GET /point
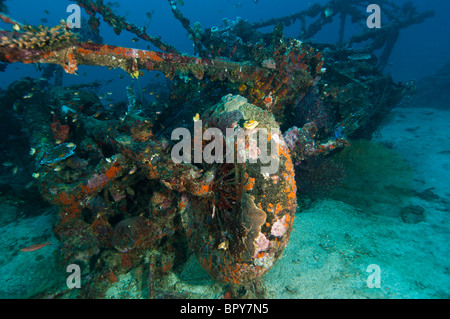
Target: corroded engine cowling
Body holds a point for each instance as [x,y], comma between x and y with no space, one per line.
[241,226]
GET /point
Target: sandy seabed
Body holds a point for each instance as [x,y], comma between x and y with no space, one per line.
[333,243]
[331,246]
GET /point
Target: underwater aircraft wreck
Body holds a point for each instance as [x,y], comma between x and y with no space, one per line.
[125,203]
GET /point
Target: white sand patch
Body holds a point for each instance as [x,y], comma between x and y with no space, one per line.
[333,243]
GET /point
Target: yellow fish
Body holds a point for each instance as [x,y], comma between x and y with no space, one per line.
[196,117]
[223,245]
[251,124]
[135,74]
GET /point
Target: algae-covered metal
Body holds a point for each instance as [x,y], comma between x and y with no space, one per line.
[241,229]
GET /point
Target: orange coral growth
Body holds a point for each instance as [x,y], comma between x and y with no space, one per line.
[152,171]
[167,266]
[152,56]
[82,51]
[126,261]
[291,195]
[250,184]
[60,132]
[112,277]
[142,135]
[289,165]
[69,205]
[113,171]
[202,191]
[278,209]
[99,222]
[71,65]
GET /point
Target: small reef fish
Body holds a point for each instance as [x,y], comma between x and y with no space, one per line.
[223,245]
[34,247]
[360,57]
[251,124]
[149,14]
[196,117]
[114,4]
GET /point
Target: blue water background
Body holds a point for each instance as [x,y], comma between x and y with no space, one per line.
[420,51]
